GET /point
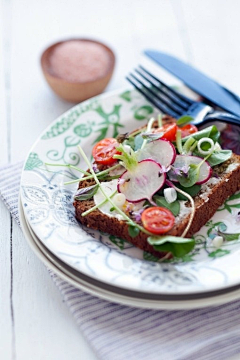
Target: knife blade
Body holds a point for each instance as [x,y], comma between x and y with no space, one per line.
[198,82]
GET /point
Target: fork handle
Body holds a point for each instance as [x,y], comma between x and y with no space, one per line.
[223,116]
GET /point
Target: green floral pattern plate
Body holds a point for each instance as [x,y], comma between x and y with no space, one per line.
[48,208]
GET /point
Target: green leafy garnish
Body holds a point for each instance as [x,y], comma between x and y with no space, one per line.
[88,176]
[210,132]
[149,126]
[133,231]
[219,157]
[159,120]
[184,120]
[189,145]
[86,193]
[138,141]
[192,176]
[174,207]
[179,141]
[108,197]
[130,141]
[129,160]
[134,141]
[192,191]
[152,136]
[193,173]
[178,246]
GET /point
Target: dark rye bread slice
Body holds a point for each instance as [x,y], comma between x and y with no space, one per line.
[228,182]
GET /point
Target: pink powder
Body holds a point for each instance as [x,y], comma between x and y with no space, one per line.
[79,61]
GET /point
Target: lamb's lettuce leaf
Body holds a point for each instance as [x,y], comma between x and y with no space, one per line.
[211,132]
[174,207]
[185,119]
[176,245]
[217,157]
[192,191]
[86,193]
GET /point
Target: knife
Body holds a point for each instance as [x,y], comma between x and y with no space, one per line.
[198,82]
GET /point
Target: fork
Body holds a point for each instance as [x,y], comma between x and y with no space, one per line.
[171,102]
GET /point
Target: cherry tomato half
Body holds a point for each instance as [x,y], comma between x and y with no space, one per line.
[104,150]
[169,131]
[188,130]
[157,220]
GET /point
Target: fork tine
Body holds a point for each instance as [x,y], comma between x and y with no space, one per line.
[158,94]
[152,98]
[175,95]
[181,105]
[157,91]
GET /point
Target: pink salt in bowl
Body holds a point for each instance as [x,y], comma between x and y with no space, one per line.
[78,69]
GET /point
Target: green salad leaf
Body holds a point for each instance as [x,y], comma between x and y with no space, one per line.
[217,157]
[174,207]
[86,193]
[129,160]
[133,231]
[138,141]
[183,120]
[192,176]
[191,190]
[176,245]
[211,132]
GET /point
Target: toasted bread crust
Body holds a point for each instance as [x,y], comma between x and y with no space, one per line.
[228,184]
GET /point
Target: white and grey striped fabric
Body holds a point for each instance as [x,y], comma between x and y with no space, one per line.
[118,332]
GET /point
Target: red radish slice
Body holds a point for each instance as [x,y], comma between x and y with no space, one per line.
[161,151]
[142,182]
[182,163]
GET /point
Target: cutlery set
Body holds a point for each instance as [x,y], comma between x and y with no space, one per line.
[171,102]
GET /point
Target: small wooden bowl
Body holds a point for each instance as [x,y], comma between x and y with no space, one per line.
[76,91]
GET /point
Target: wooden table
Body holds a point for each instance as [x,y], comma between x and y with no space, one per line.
[34,321]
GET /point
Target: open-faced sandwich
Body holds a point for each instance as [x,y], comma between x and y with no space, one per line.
[157,186]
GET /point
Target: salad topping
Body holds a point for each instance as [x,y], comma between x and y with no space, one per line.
[156,169]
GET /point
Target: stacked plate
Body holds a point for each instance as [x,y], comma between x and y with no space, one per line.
[107,266]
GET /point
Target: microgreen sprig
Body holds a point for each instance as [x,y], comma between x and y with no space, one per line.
[159,120]
[98,205]
[149,126]
[125,217]
[179,141]
[89,176]
[129,159]
[189,146]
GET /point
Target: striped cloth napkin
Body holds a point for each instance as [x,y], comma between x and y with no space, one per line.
[118,332]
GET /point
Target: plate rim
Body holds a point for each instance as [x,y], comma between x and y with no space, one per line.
[103,96]
[157,304]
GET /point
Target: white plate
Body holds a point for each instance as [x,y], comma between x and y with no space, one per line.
[47,204]
[74,278]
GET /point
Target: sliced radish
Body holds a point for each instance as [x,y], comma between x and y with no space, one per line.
[181,164]
[142,182]
[161,151]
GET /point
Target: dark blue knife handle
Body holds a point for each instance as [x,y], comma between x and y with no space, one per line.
[223,116]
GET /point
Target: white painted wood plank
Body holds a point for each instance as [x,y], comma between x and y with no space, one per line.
[213,29]
[4,93]
[6,322]
[6,325]
[44,326]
